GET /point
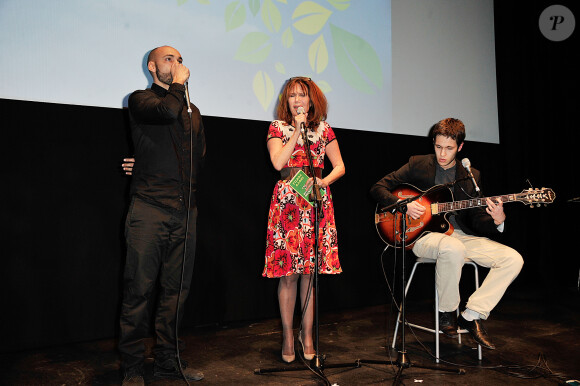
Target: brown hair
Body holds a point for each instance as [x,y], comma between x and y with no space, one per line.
[449,127]
[317,111]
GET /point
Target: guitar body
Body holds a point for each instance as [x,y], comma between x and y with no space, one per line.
[389,225]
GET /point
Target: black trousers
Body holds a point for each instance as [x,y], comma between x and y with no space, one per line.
[155,239]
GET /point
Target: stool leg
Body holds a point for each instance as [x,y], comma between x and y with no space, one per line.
[479,354]
[436,325]
[399,314]
[458,334]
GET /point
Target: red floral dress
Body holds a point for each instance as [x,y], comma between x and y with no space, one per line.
[290,234]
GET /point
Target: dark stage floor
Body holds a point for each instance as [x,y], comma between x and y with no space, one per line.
[527,330]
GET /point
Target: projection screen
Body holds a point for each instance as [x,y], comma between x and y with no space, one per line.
[435,60]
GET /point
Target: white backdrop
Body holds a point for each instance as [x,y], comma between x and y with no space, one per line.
[438,62]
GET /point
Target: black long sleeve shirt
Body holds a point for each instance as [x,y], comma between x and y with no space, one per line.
[160,127]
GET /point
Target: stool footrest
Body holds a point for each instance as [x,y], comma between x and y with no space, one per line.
[459,331]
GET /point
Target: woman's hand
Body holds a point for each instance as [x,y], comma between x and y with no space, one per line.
[299,120]
[128,165]
[321,183]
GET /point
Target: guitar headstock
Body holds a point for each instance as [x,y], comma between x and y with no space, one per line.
[537,196]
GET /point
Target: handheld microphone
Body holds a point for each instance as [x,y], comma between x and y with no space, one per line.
[467,165]
[187,98]
[301,111]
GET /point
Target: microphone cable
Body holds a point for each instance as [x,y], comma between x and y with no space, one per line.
[187,218]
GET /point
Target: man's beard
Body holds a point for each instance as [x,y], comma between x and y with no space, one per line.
[164,77]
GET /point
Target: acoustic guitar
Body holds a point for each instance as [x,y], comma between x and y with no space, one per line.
[438,202]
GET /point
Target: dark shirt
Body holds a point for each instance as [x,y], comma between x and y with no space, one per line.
[161,128]
[446,176]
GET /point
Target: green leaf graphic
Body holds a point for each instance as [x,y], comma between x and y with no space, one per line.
[181,2]
[204,2]
[280,68]
[254,48]
[324,86]
[287,38]
[271,16]
[318,55]
[263,89]
[341,5]
[312,17]
[235,15]
[282,1]
[254,6]
[356,60]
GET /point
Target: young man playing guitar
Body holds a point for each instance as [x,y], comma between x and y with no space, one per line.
[465,241]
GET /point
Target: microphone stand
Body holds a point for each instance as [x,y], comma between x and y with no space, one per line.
[317,364]
[403,361]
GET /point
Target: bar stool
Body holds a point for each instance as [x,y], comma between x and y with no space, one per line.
[436,330]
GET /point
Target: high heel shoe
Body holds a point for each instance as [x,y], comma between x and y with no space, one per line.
[288,358]
[308,357]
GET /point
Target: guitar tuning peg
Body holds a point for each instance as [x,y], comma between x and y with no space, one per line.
[532,206]
[538,205]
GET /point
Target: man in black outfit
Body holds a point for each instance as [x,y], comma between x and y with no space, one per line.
[160,229]
[467,242]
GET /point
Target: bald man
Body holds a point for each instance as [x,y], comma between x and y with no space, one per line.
[160,228]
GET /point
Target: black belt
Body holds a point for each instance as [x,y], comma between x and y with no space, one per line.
[289,173]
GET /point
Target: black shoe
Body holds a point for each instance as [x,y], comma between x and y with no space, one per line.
[447,324]
[168,368]
[134,377]
[133,380]
[477,331]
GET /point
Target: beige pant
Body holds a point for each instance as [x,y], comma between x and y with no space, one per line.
[451,252]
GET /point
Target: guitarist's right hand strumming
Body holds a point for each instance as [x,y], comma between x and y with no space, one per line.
[415,210]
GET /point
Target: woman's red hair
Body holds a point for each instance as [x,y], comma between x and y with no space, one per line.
[318,109]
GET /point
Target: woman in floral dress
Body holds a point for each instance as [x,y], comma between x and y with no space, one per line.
[290,235]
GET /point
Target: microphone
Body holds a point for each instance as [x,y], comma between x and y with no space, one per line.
[467,165]
[300,110]
[187,99]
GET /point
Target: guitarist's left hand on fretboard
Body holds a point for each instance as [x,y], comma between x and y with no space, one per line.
[495,210]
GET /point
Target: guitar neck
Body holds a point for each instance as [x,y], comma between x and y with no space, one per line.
[442,207]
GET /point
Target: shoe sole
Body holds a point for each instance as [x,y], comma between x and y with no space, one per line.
[175,376]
